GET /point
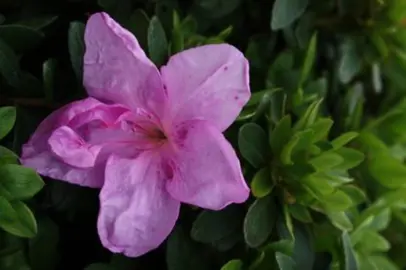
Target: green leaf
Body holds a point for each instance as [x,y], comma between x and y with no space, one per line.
[337,201]
[321,129]
[326,161]
[261,184]
[285,12]
[285,262]
[7,156]
[387,170]
[350,262]
[300,141]
[18,182]
[177,41]
[356,194]
[253,144]
[182,254]
[300,212]
[233,265]
[285,246]
[259,221]
[280,135]
[351,158]
[372,242]
[138,25]
[309,117]
[19,37]
[48,74]
[43,248]
[157,42]
[9,65]
[318,185]
[340,220]
[309,60]
[350,62]
[7,118]
[215,227]
[17,219]
[343,139]
[76,47]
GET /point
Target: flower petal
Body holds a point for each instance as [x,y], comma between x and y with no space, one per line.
[116,68]
[206,170]
[136,212]
[43,153]
[72,149]
[209,82]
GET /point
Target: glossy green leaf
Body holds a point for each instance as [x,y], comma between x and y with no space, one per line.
[285,12]
[351,158]
[340,220]
[321,129]
[18,182]
[17,219]
[7,156]
[300,212]
[233,265]
[281,134]
[309,60]
[253,144]
[261,184]
[285,262]
[77,48]
[337,201]
[372,242]
[344,139]
[259,221]
[7,118]
[157,42]
[326,161]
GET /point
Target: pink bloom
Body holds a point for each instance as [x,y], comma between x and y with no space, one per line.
[149,139]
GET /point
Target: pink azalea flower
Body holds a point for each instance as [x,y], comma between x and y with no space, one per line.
[149,139]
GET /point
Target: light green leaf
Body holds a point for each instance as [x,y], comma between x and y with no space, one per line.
[337,201]
[350,262]
[387,170]
[310,115]
[343,139]
[285,262]
[351,158]
[76,48]
[309,60]
[7,118]
[233,265]
[253,144]
[261,184]
[259,221]
[356,194]
[372,242]
[321,129]
[340,220]
[285,12]
[157,42]
[326,161]
[300,212]
[280,135]
[18,182]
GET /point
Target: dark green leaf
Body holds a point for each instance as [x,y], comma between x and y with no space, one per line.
[77,48]
[216,226]
[259,221]
[17,219]
[9,65]
[18,182]
[138,25]
[48,74]
[300,212]
[7,156]
[350,61]
[99,266]
[253,144]
[19,37]
[309,60]
[218,8]
[157,42]
[285,12]
[7,118]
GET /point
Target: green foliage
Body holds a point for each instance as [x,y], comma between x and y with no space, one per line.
[321,141]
